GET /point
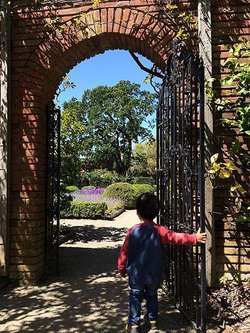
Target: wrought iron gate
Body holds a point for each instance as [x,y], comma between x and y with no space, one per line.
[53,188]
[180,131]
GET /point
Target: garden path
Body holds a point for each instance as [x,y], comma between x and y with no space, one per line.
[89,296]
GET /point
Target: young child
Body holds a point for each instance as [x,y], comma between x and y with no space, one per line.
[141,259]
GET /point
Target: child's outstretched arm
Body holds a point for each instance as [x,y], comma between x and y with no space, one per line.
[201,237]
[180,238]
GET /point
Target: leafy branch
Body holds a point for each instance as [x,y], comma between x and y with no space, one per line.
[66,84]
[185,22]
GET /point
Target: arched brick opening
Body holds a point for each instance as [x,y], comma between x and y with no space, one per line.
[38,69]
[46,44]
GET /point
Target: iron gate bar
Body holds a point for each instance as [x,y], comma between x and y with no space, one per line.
[180,180]
[53,188]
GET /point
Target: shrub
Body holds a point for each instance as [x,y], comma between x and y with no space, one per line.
[114,210]
[71,188]
[120,191]
[85,210]
[143,180]
[142,188]
[65,199]
[87,187]
[99,178]
[127,192]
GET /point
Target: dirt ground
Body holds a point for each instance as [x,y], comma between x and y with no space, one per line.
[89,296]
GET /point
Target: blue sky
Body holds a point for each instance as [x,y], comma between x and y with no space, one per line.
[105,69]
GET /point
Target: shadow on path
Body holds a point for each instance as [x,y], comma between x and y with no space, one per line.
[90,233]
[89,296]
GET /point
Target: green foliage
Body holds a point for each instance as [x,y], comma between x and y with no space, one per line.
[184,22]
[86,187]
[114,209]
[144,159]
[96,4]
[128,193]
[120,191]
[99,178]
[55,22]
[223,280]
[143,180]
[142,188]
[72,137]
[238,78]
[66,84]
[65,199]
[209,88]
[222,170]
[104,126]
[71,188]
[84,210]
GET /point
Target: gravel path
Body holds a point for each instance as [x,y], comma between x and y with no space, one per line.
[89,296]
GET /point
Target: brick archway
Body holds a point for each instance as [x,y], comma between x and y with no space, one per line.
[44,61]
[40,59]
[46,44]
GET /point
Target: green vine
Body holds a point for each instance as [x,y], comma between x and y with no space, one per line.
[222,170]
[186,22]
[237,78]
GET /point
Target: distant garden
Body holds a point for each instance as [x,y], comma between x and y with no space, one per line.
[108,151]
[92,202]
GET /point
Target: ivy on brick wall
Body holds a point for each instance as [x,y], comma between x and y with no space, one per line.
[185,22]
[236,78]
[170,13]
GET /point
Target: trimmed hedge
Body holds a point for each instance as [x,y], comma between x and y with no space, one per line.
[87,187]
[142,188]
[85,210]
[71,188]
[127,192]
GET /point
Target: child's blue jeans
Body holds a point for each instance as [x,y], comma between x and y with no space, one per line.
[137,294]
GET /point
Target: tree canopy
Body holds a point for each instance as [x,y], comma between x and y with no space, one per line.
[72,137]
[105,124]
[144,159]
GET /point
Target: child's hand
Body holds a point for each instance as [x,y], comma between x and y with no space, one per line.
[201,237]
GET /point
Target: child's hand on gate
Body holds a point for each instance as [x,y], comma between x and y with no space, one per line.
[201,237]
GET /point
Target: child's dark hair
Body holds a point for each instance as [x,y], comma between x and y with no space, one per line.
[148,205]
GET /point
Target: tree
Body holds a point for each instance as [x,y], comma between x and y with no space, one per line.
[144,159]
[72,137]
[113,118]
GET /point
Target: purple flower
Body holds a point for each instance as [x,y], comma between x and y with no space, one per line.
[92,190]
[94,195]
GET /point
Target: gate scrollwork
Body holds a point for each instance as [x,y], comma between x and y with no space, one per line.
[180,138]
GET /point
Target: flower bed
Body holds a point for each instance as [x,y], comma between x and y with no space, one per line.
[88,190]
[87,200]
